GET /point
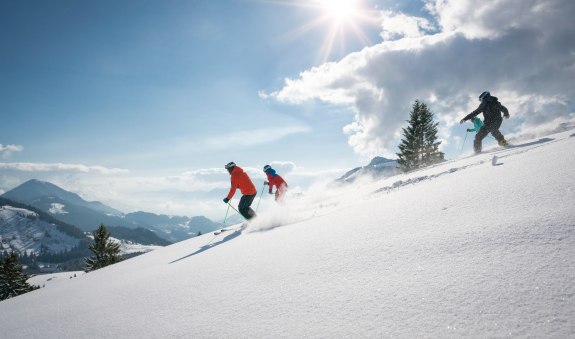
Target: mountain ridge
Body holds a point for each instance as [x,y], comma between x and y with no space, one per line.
[72,209]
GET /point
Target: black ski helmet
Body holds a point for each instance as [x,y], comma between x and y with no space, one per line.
[484,95]
[267,167]
[230,165]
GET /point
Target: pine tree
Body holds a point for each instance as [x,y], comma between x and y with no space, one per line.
[419,146]
[106,251]
[12,278]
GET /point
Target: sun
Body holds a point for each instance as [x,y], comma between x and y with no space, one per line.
[341,20]
[339,10]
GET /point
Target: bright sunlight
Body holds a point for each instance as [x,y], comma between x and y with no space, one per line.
[340,19]
[339,10]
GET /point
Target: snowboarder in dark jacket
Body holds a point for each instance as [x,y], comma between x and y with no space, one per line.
[491,109]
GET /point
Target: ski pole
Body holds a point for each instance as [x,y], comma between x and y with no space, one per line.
[466,133]
[226,217]
[236,210]
[258,206]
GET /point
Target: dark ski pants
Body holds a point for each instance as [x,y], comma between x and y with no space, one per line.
[490,126]
[244,206]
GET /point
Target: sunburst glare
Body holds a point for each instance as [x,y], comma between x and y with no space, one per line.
[341,19]
[340,10]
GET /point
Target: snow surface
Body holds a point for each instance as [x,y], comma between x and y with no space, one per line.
[129,247]
[473,247]
[49,279]
[57,208]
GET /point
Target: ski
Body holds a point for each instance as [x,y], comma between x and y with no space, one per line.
[220,231]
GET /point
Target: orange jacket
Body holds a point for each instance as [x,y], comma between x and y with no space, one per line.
[241,180]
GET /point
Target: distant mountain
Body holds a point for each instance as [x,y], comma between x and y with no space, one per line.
[138,235]
[36,192]
[378,167]
[173,228]
[46,244]
[72,209]
[66,206]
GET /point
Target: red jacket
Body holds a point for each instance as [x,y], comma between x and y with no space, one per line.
[276,181]
[241,180]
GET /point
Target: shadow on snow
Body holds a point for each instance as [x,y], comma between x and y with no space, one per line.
[236,233]
[536,142]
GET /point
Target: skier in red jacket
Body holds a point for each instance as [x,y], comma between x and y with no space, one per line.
[277,181]
[241,180]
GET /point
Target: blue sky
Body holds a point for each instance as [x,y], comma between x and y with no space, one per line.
[139,104]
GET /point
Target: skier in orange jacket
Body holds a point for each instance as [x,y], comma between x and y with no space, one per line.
[241,180]
[277,181]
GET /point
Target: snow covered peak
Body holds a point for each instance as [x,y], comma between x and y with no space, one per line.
[378,167]
[378,161]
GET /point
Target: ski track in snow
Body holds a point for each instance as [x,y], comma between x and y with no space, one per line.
[498,154]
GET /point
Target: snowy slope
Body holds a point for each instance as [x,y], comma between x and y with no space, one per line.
[23,230]
[475,247]
[49,279]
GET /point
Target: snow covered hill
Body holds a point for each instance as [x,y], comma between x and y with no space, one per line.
[23,230]
[32,231]
[377,168]
[482,246]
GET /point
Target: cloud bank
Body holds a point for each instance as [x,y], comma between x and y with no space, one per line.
[522,51]
[59,167]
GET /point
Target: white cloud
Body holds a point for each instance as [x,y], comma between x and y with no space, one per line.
[6,151]
[59,167]
[251,137]
[493,19]
[521,51]
[399,25]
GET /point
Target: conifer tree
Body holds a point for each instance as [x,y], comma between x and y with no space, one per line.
[419,146]
[12,278]
[106,251]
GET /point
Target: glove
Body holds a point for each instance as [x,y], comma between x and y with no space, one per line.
[226,200]
[506,116]
[462,121]
[270,192]
[469,130]
[266,183]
